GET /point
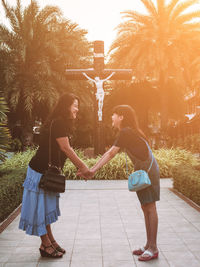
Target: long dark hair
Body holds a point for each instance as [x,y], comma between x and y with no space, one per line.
[129,118]
[62,109]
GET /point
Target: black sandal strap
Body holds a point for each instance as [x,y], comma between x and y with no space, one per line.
[54,252]
[58,248]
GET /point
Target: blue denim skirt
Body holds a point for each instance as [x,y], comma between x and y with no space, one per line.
[39,208]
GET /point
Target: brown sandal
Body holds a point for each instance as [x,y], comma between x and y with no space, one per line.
[54,254]
[58,248]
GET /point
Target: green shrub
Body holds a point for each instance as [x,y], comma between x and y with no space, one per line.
[16,145]
[189,142]
[11,192]
[168,159]
[12,173]
[20,160]
[192,143]
[187,181]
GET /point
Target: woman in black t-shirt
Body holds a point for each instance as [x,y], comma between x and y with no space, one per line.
[133,141]
[40,208]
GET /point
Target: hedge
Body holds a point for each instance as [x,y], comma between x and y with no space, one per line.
[11,192]
[186,179]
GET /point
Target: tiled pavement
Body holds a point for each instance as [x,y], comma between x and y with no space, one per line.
[100,225]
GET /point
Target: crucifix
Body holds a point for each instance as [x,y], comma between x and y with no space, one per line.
[98,75]
[100,92]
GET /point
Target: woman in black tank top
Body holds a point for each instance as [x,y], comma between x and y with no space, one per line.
[41,208]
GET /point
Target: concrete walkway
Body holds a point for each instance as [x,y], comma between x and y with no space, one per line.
[102,223]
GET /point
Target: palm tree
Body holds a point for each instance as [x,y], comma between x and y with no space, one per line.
[38,47]
[158,45]
[4,132]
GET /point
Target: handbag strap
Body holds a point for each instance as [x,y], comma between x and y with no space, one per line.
[50,148]
[148,168]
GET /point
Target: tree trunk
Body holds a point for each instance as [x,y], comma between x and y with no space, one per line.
[163,102]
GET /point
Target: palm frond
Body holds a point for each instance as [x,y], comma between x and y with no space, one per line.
[170,6]
[10,14]
[136,17]
[4,132]
[48,13]
[181,7]
[161,7]
[149,5]
[187,18]
[18,13]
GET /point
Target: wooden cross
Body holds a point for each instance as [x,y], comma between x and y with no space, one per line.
[98,74]
[98,70]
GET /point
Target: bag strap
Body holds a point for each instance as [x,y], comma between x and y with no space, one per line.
[148,168]
[50,146]
[126,164]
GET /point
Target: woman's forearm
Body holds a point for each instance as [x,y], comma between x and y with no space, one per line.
[102,161]
[74,158]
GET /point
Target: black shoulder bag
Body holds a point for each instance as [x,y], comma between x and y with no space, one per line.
[52,180]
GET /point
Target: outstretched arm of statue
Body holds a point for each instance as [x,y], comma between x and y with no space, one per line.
[88,77]
[109,76]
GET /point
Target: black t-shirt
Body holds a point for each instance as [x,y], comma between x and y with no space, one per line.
[129,140]
[39,162]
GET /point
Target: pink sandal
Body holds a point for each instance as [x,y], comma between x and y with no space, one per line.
[148,255]
[139,251]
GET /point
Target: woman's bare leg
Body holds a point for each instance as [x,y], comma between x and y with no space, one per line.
[47,245]
[146,218]
[52,239]
[151,223]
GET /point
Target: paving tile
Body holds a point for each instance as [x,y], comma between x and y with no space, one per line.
[4,256]
[91,243]
[29,241]
[66,258]
[113,233]
[119,254]
[193,245]
[89,219]
[9,236]
[169,238]
[197,225]
[173,247]
[21,256]
[179,258]
[88,233]
[185,228]
[154,263]
[9,243]
[87,256]
[68,234]
[90,263]
[119,263]
[21,264]
[197,255]
[189,236]
[52,263]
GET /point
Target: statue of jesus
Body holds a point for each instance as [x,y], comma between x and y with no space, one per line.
[100,92]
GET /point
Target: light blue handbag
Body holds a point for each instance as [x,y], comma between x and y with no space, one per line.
[138,180]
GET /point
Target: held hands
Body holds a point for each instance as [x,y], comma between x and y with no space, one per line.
[87,174]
